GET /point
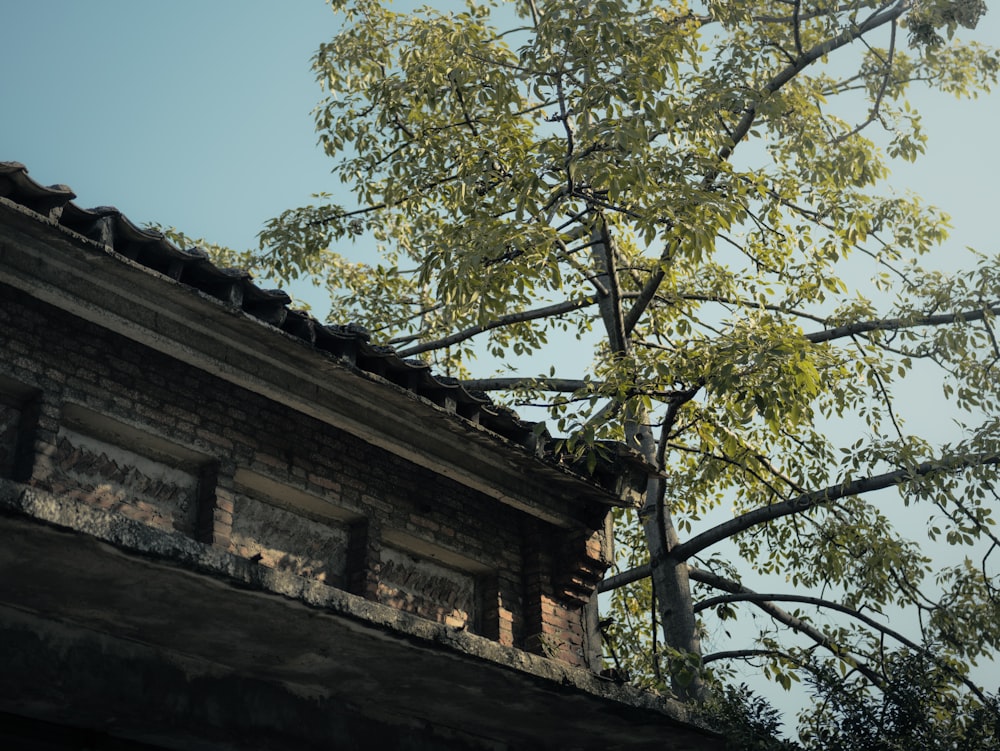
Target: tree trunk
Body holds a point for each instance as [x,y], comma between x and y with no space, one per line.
[669,577]
[671,587]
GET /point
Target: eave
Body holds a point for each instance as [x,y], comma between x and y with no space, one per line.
[90,280]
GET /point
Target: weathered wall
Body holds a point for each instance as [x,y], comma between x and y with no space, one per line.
[287,541]
[126,428]
[113,477]
[137,633]
[425,588]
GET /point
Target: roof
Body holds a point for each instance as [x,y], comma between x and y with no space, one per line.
[193,267]
[349,345]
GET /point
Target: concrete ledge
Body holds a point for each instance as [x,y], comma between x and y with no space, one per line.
[89,590]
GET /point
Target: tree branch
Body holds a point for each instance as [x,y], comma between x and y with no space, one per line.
[541,383]
[800,503]
[879,18]
[806,501]
[610,304]
[507,320]
[733,302]
[888,15]
[625,578]
[886,398]
[783,616]
[875,111]
[340,215]
[743,654]
[757,598]
[893,324]
[649,289]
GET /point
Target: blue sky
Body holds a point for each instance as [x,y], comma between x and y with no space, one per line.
[193,113]
[196,113]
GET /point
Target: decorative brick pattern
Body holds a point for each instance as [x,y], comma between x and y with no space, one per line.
[426,589]
[287,541]
[110,477]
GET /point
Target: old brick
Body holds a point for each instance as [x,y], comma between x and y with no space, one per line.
[223,502]
[238,429]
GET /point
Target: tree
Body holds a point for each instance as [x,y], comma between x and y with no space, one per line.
[900,719]
[694,194]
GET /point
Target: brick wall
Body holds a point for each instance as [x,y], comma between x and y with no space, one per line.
[170,442]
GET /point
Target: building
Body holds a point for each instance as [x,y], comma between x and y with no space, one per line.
[225,526]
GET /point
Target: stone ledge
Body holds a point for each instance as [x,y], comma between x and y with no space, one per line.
[104,573]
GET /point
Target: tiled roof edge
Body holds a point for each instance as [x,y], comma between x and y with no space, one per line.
[351,343]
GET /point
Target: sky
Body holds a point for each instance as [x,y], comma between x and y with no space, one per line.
[196,114]
[191,113]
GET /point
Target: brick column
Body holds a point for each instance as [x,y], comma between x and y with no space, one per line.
[19,414]
[214,509]
[552,625]
[360,575]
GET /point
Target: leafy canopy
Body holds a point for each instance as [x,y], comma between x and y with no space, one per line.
[694,196]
